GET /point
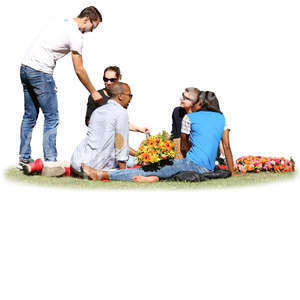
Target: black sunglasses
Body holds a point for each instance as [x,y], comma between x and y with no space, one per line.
[186,98]
[110,79]
[94,26]
[130,95]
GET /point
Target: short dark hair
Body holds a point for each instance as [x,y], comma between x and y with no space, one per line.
[91,12]
[114,69]
[117,88]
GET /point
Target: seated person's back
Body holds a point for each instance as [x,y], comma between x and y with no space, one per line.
[206,130]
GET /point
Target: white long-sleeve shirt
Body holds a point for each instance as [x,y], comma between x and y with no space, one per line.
[106,141]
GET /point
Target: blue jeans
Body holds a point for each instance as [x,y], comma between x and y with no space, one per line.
[39,92]
[165,172]
[131,161]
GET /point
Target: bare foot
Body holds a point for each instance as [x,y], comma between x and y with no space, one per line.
[90,172]
[94,174]
[145,179]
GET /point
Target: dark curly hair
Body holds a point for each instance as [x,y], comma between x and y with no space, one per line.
[114,69]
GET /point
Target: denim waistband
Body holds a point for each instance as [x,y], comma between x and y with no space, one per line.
[31,69]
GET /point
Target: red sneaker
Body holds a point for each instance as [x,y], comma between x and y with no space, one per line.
[67,171]
[34,167]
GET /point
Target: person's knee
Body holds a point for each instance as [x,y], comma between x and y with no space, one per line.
[30,118]
[51,120]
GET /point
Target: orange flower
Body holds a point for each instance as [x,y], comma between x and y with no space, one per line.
[167,146]
[151,143]
[276,169]
[145,157]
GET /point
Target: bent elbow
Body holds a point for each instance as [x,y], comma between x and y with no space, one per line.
[79,71]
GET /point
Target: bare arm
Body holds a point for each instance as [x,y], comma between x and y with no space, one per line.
[221,149]
[138,129]
[185,144]
[132,152]
[227,150]
[83,76]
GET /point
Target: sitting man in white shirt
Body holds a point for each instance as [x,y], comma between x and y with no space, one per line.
[106,143]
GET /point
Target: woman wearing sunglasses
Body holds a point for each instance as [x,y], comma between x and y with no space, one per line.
[111,75]
[178,113]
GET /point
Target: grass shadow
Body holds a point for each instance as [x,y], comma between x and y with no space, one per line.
[14,175]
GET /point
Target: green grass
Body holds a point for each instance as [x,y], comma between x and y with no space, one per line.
[15,175]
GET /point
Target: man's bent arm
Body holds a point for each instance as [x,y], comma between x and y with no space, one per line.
[227,150]
[83,76]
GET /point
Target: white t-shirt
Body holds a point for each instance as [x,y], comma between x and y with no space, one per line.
[54,42]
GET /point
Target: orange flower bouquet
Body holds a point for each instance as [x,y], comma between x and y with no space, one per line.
[156,151]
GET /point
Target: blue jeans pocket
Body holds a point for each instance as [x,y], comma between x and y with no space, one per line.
[51,87]
[41,83]
[45,86]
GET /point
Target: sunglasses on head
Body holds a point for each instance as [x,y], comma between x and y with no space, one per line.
[110,79]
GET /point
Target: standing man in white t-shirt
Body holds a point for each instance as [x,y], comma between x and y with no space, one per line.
[53,43]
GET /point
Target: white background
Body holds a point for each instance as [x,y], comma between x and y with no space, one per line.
[225,244]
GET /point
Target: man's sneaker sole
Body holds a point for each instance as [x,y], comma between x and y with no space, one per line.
[24,162]
[19,166]
[53,171]
[26,169]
